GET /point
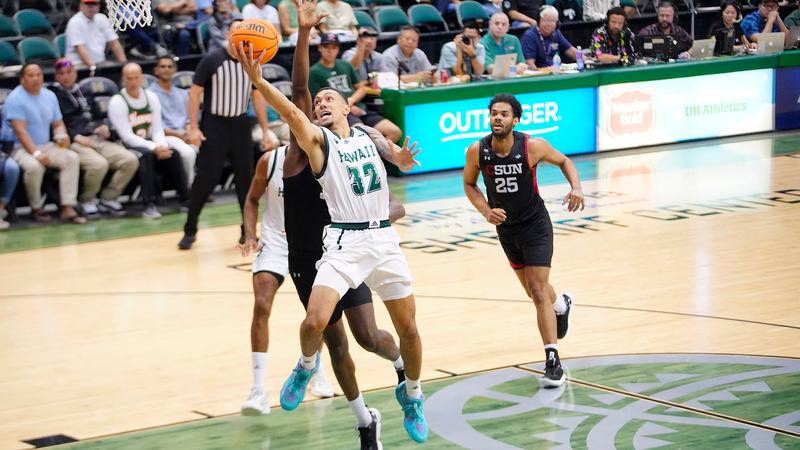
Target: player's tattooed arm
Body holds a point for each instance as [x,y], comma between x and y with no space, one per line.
[402,157]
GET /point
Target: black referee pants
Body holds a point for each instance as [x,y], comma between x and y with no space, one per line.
[226,138]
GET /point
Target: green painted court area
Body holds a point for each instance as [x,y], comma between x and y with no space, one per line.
[630,401]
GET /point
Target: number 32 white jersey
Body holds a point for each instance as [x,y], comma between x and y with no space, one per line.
[353,179]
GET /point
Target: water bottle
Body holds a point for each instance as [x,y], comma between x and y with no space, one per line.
[512,71]
[579,59]
[556,64]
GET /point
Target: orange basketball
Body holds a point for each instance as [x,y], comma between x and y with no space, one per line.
[258,33]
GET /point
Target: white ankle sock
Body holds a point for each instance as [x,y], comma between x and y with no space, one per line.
[560,306]
[309,362]
[398,363]
[259,369]
[363,416]
[413,388]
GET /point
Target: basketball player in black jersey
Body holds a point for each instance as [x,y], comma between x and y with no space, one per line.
[508,159]
[305,216]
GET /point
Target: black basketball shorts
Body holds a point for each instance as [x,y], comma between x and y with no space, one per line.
[303,271]
[529,243]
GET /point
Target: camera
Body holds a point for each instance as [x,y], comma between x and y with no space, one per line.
[465,40]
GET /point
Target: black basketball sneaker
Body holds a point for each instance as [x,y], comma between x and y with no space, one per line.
[553,373]
[370,436]
[562,320]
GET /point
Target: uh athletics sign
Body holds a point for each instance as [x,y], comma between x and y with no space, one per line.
[444,130]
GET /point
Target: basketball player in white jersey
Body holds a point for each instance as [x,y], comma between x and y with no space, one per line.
[360,245]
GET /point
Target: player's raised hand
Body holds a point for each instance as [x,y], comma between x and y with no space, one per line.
[307,16]
[404,157]
[495,216]
[250,63]
[574,200]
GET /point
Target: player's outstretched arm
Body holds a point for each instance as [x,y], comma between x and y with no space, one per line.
[307,18]
[308,135]
[495,216]
[403,157]
[257,188]
[541,150]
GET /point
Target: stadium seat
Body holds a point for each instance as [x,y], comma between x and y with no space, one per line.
[363,19]
[8,55]
[183,79]
[147,80]
[285,87]
[202,37]
[356,3]
[32,22]
[8,28]
[471,10]
[375,3]
[274,72]
[37,49]
[3,95]
[241,3]
[100,106]
[97,86]
[390,18]
[427,18]
[60,41]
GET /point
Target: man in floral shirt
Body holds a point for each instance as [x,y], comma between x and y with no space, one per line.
[613,42]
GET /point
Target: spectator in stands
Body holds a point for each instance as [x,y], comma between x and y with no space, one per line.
[597,9]
[174,113]
[613,42]
[90,140]
[30,113]
[220,23]
[180,16]
[498,42]
[523,13]
[765,20]
[666,25]
[340,18]
[793,19]
[569,10]
[464,55]
[135,114]
[287,13]
[540,44]
[363,56]
[413,63]
[730,16]
[9,175]
[333,72]
[89,34]
[261,9]
[205,9]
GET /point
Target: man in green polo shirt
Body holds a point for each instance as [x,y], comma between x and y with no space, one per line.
[498,42]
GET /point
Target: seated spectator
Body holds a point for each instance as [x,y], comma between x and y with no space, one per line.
[90,140]
[220,23]
[498,42]
[363,56]
[730,16]
[570,10]
[523,13]
[666,25]
[205,9]
[412,62]
[540,44]
[613,42]
[88,35]
[9,175]
[464,55]
[261,9]
[597,9]
[333,72]
[174,113]
[180,15]
[340,18]
[765,20]
[793,19]
[135,115]
[30,113]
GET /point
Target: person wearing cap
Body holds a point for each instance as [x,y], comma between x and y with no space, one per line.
[363,57]
[464,55]
[88,35]
[413,63]
[340,18]
[765,20]
[90,140]
[220,24]
[335,73]
[31,113]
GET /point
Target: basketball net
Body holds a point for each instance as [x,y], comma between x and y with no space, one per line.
[125,14]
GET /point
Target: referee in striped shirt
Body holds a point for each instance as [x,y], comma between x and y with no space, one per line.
[225,131]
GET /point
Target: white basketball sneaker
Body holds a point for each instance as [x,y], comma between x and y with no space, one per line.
[256,404]
[320,385]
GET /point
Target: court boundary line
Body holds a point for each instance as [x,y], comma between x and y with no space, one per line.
[669,403]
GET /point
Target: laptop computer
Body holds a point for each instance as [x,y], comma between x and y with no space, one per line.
[770,43]
[502,65]
[794,37]
[703,48]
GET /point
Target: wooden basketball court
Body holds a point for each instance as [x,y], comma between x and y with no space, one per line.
[691,249]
